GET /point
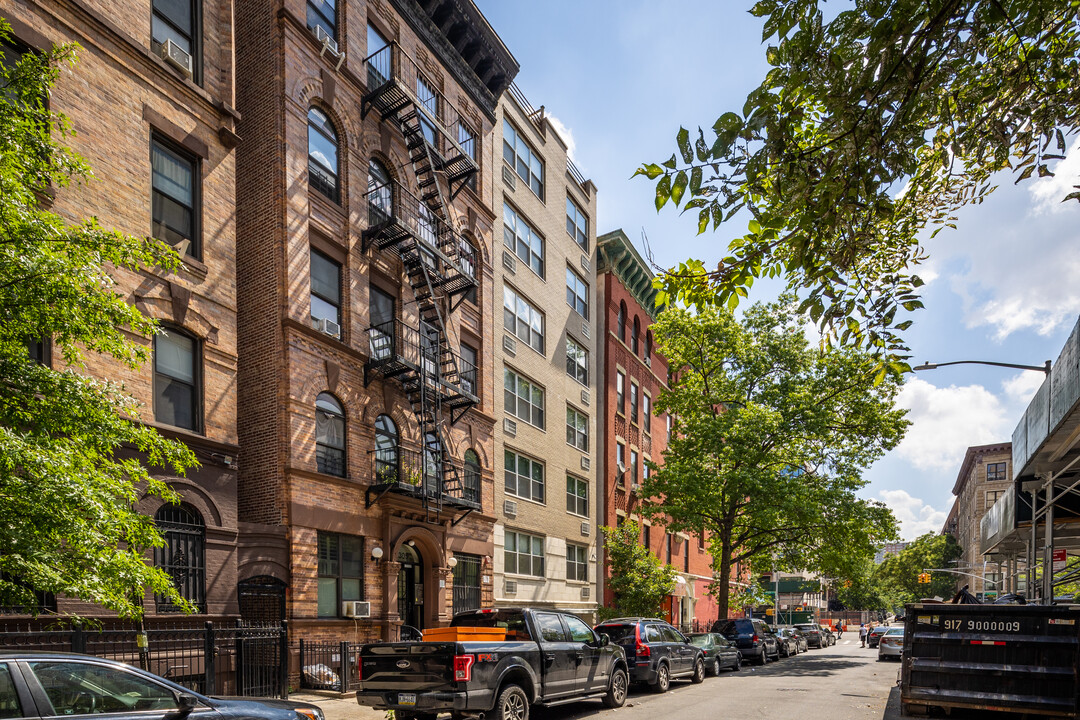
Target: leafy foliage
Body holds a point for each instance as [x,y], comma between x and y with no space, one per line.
[638,580]
[862,590]
[898,576]
[771,438]
[868,130]
[68,481]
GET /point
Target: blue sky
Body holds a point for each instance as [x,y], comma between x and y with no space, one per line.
[1005,286]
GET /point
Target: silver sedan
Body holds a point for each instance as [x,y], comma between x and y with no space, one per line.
[891,644]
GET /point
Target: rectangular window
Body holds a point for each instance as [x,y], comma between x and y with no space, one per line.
[523,320]
[467,140]
[645,472]
[648,537]
[577,429]
[175,197]
[633,403]
[520,156]
[577,225]
[686,555]
[325,294]
[523,554]
[523,240]
[577,496]
[176,380]
[323,13]
[577,562]
[646,412]
[524,476]
[523,399]
[466,582]
[577,361]
[620,393]
[633,466]
[620,462]
[995,471]
[428,109]
[379,58]
[341,571]
[577,293]
[467,369]
[176,20]
[992,497]
[667,419]
[667,542]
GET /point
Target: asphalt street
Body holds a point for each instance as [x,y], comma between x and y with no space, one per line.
[843,682]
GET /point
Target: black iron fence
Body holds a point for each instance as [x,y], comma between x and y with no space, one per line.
[329,665]
[209,658]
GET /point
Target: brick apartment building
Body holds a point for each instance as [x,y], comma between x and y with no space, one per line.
[160,139]
[632,375]
[545,538]
[364,253]
[985,475]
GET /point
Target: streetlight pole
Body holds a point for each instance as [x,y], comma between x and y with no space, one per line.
[934,366]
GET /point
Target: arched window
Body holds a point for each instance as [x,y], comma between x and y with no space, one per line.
[322,154]
[183,558]
[622,321]
[386,450]
[329,435]
[648,345]
[380,193]
[634,337]
[472,476]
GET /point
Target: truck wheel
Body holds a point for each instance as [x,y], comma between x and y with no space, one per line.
[699,672]
[663,679]
[513,704]
[616,692]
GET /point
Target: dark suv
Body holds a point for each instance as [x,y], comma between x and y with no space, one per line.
[656,652]
[755,641]
[813,635]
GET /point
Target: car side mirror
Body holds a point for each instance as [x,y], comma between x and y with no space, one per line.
[186,702]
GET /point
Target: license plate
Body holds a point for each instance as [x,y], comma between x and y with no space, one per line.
[406,698]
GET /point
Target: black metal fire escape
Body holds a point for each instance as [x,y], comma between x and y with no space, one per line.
[419,229]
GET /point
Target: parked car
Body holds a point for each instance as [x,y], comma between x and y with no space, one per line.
[829,635]
[656,652]
[753,638]
[546,657]
[891,643]
[814,637]
[48,685]
[719,652]
[801,645]
[875,635]
[788,644]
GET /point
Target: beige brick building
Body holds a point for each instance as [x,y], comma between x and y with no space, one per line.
[160,139]
[544,367]
[365,234]
[985,474]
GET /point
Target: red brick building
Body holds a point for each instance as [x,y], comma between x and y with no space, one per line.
[159,136]
[632,375]
[365,298]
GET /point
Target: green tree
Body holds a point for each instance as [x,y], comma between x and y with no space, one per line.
[869,132]
[636,577]
[68,485]
[898,575]
[770,443]
[862,589]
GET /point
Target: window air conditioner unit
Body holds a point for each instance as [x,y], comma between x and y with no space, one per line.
[510,427]
[585,329]
[585,263]
[585,528]
[356,609]
[509,508]
[327,326]
[584,397]
[178,57]
[648,361]
[329,43]
[511,587]
[585,464]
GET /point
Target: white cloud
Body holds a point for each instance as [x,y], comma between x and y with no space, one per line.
[1047,193]
[946,421]
[1022,386]
[565,133]
[916,517]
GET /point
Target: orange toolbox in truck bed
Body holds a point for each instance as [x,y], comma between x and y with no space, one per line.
[464,634]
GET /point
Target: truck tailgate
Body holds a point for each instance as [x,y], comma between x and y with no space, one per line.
[414,667]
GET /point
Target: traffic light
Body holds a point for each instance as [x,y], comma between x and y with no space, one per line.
[924,577]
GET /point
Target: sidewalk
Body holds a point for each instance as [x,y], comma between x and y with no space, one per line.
[339,707]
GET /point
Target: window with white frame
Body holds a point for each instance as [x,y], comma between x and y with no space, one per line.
[620,393]
[577,293]
[577,496]
[633,402]
[520,156]
[523,554]
[577,562]
[524,476]
[523,240]
[522,319]
[577,429]
[523,398]
[646,412]
[577,361]
[577,224]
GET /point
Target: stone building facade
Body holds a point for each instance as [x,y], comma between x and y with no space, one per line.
[160,138]
[985,474]
[546,541]
[632,374]
[364,252]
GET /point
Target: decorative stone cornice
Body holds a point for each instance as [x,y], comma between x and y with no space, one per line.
[619,256]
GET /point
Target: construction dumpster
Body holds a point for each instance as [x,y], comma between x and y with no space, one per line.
[1016,658]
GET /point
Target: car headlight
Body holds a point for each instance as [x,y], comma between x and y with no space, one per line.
[311,713]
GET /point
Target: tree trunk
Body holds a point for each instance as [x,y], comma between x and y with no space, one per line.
[723,596]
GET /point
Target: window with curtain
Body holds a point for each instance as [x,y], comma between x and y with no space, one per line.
[176,380]
[177,20]
[323,155]
[174,205]
[329,435]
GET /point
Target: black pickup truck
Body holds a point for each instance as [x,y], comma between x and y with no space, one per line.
[548,658]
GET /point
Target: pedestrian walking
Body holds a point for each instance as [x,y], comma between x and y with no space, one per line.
[839,630]
[862,634]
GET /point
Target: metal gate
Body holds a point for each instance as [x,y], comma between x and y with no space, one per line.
[262,599]
[261,654]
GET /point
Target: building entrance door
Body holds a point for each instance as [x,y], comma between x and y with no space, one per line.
[411,587]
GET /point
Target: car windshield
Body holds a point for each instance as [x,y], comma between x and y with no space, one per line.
[618,633]
[699,640]
[893,632]
[806,627]
[728,628]
[880,630]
